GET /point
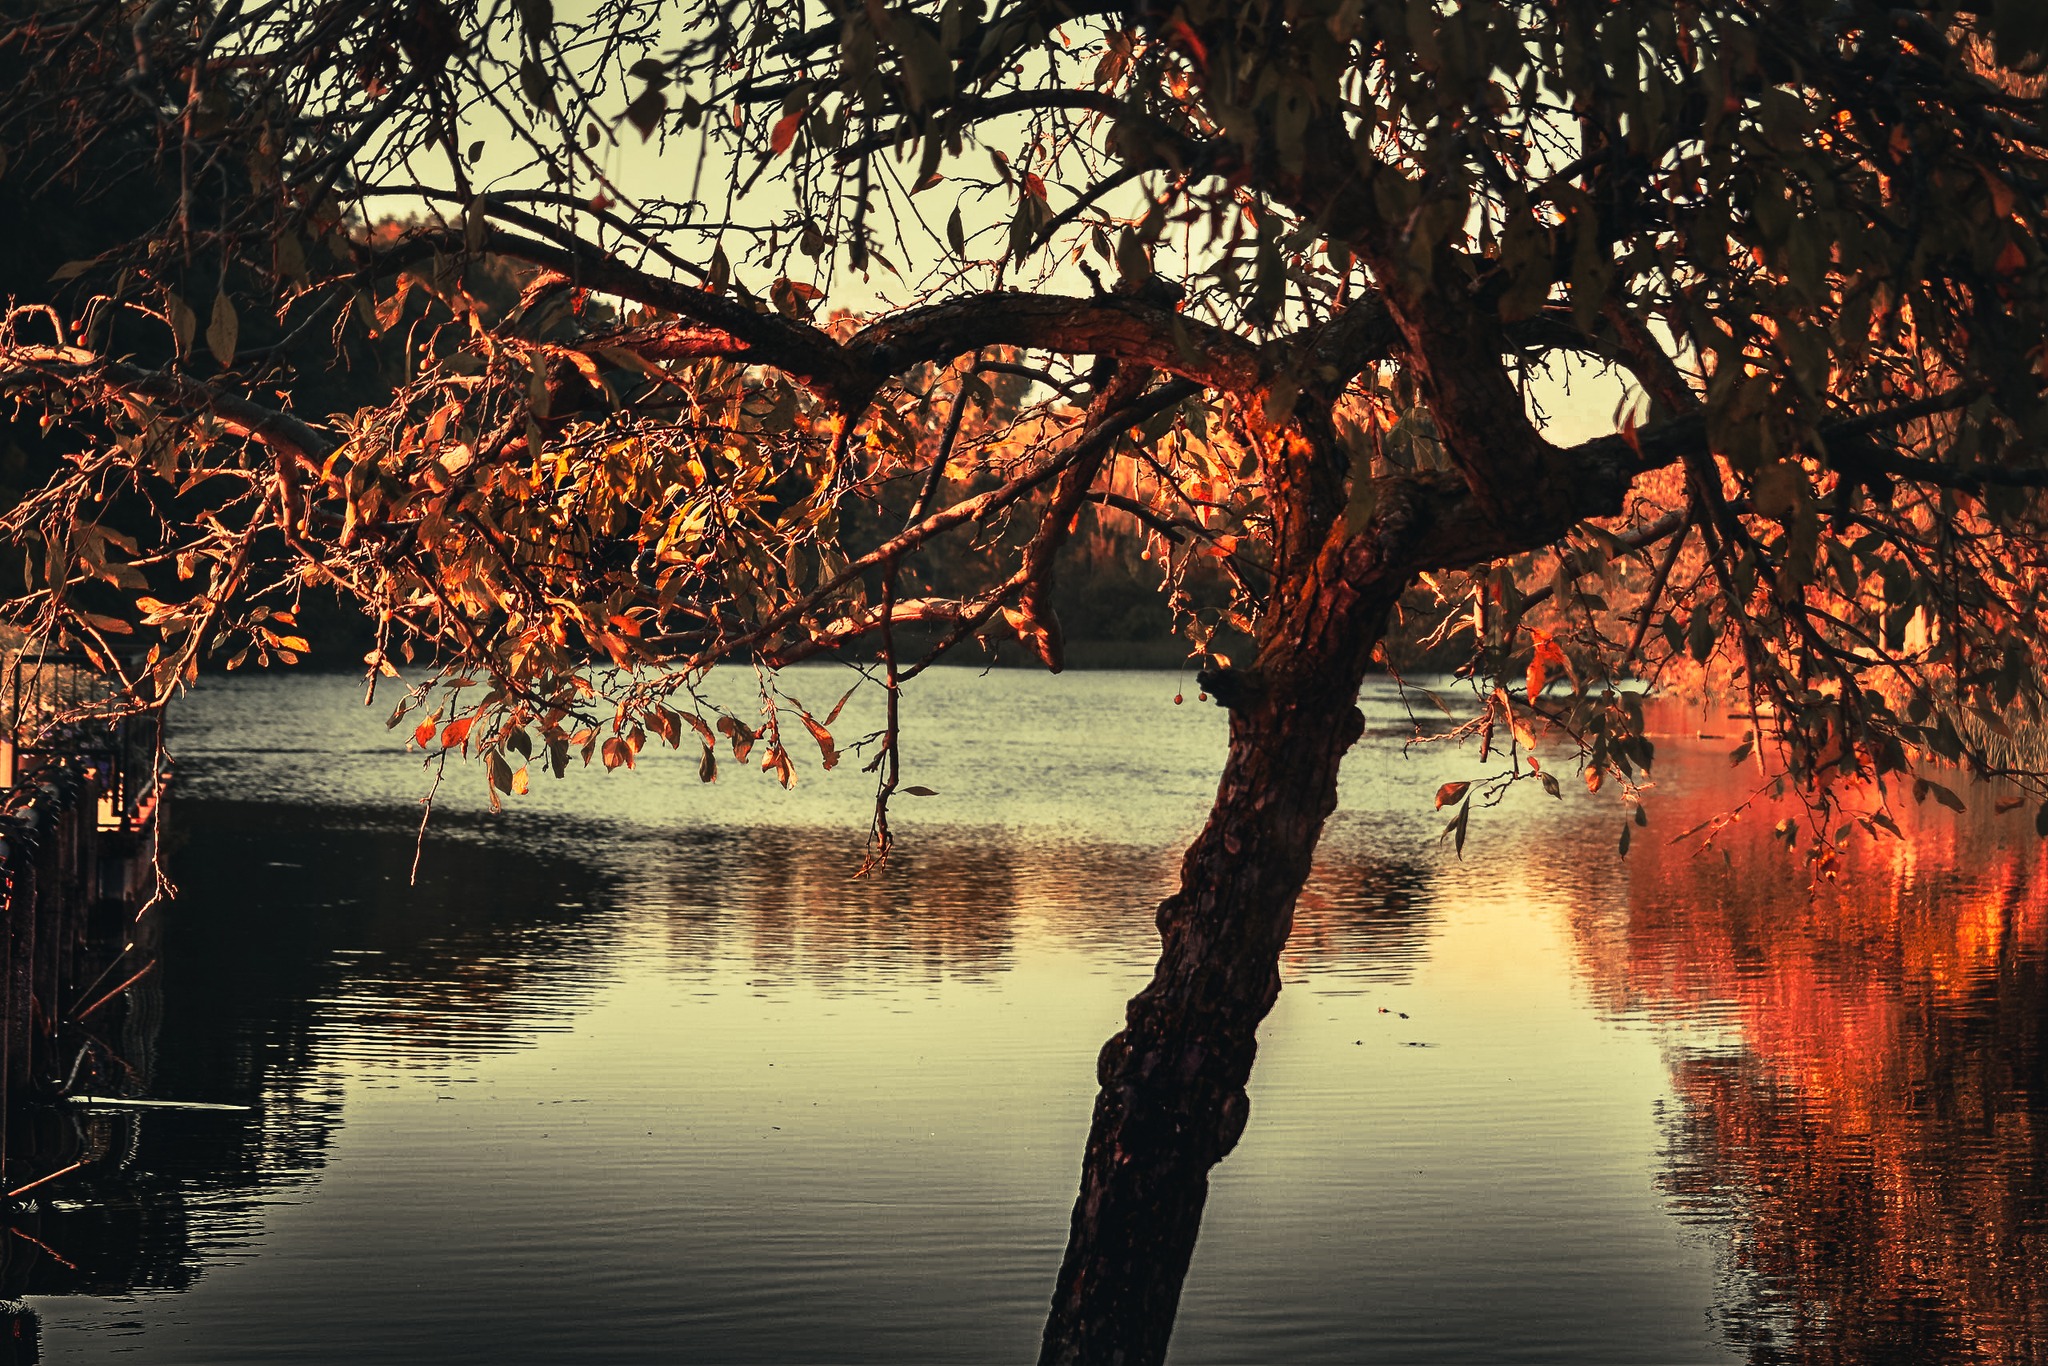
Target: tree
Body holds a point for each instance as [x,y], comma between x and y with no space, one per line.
[1274,283]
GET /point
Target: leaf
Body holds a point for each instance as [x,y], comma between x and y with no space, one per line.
[956,236]
[520,782]
[501,772]
[223,330]
[2005,804]
[1626,831]
[667,725]
[1943,795]
[2041,821]
[918,791]
[288,255]
[184,322]
[646,110]
[1549,781]
[1449,793]
[424,734]
[793,299]
[784,131]
[707,767]
[540,91]
[1455,828]
[1547,654]
[742,738]
[457,732]
[70,270]
[617,753]
[828,751]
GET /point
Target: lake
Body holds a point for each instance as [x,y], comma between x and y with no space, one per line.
[636,1071]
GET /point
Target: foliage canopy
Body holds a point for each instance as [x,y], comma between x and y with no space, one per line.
[1267,280]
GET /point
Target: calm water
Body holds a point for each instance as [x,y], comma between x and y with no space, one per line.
[636,1074]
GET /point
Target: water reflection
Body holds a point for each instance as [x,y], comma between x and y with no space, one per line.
[1862,1096]
[626,1046]
[1362,915]
[303,975]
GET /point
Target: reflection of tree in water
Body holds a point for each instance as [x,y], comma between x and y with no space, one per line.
[949,904]
[783,898]
[295,946]
[1363,916]
[297,953]
[1872,1140]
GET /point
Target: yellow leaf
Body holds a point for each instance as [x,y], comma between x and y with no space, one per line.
[223,330]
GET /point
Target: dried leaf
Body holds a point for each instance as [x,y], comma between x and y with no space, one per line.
[1449,793]
[223,330]
[828,751]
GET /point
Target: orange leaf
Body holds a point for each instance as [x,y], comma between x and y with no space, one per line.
[1033,186]
[826,749]
[784,131]
[457,732]
[425,734]
[1449,793]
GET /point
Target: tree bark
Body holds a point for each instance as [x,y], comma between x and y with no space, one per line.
[1172,1101]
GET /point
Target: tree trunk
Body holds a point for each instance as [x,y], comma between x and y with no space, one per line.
[1173,1101]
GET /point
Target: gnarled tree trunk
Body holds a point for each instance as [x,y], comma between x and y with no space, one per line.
[1173,1101]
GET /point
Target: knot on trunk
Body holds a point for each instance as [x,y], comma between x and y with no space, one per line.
[1114,1054]
[1237,1112]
